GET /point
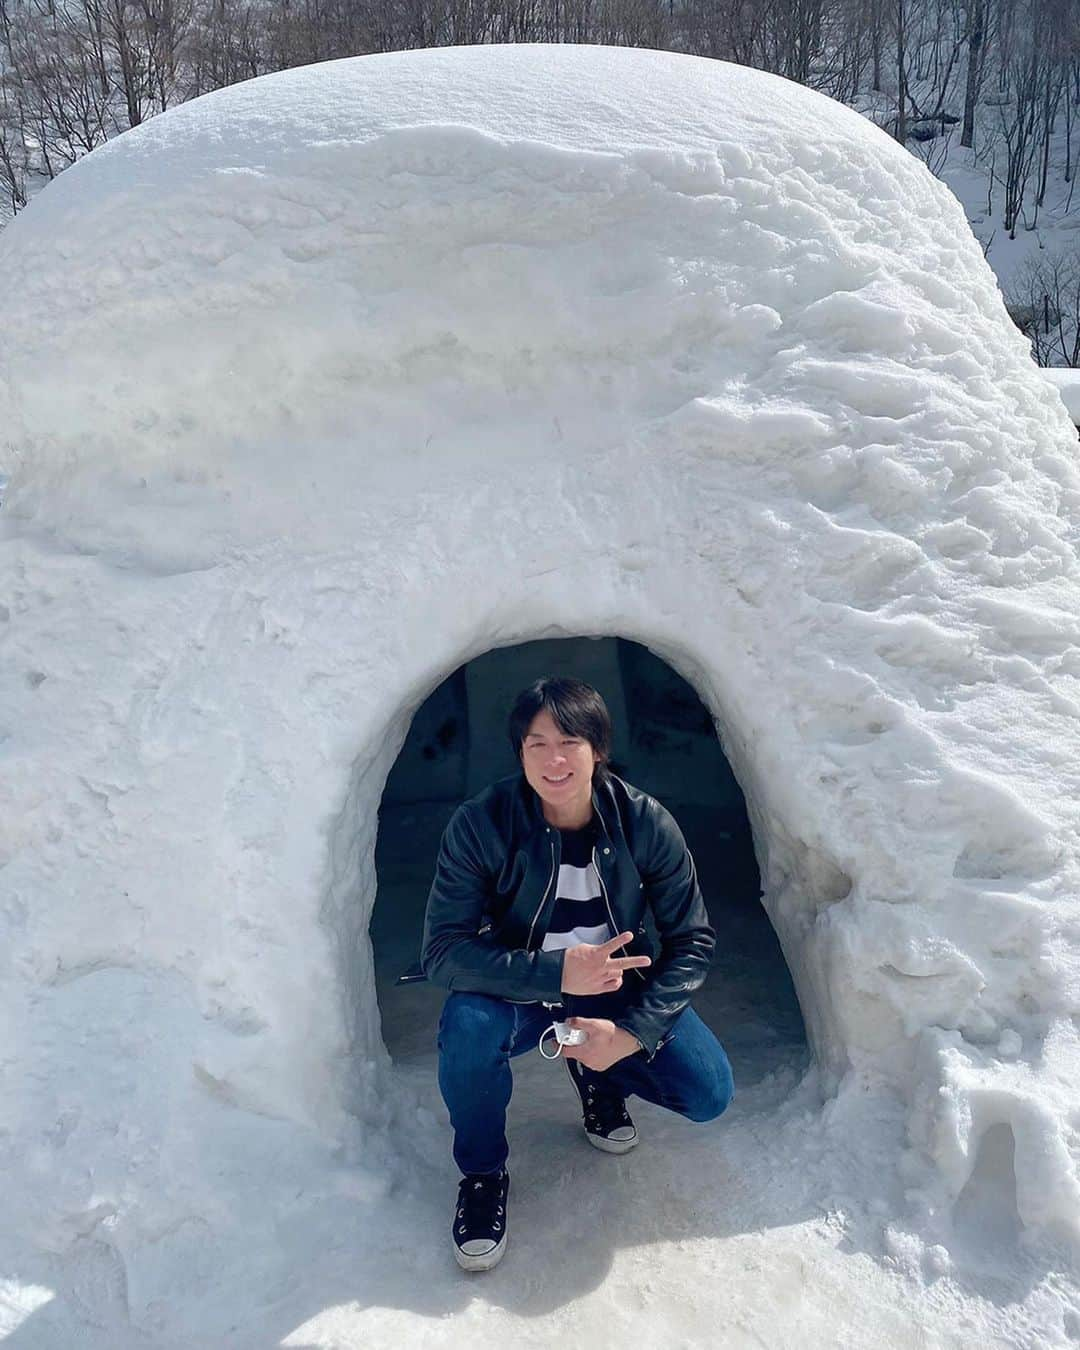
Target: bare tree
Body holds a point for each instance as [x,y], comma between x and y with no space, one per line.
[15,169]
[74,72]
[1032,73]
[1044,301]
[55,78]
[225,45]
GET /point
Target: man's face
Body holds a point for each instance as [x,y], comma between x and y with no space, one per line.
[558,767]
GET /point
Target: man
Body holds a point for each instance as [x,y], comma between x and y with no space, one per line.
[537,914]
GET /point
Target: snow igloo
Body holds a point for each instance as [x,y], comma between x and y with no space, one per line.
[320,386]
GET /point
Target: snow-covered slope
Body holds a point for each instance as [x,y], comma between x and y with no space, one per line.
[325,383]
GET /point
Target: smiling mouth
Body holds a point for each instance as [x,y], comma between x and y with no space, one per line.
[558,781]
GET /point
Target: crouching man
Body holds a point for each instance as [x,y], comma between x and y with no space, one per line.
[537,914]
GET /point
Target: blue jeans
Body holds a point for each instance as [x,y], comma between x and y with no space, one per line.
[479,1035]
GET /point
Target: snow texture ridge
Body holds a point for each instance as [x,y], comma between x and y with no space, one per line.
[318,386]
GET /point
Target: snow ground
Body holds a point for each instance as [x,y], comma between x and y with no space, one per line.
[774,1226]
[368,369]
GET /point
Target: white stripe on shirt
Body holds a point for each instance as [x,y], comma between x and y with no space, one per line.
[554,942]
[577,883]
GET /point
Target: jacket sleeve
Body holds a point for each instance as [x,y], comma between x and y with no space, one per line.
[455,953]
[687,940]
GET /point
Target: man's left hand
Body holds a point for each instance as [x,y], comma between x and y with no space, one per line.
[607,1043]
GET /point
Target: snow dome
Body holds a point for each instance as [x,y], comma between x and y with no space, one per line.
[321,385]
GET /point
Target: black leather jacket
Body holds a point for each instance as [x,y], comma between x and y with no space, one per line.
[494,890]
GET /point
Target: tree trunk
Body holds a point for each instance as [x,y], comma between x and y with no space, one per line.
[901,74]
[976,29]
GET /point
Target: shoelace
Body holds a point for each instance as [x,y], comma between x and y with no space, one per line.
[480,1205]
[604,1112]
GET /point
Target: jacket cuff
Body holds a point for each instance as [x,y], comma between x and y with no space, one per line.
[549,973]
[649,1042]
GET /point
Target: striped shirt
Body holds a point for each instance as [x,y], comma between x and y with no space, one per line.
[580,913]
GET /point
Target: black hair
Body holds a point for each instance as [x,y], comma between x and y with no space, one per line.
[577,709]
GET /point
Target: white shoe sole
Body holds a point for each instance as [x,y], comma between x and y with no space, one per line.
[484,1262]
[611,1145]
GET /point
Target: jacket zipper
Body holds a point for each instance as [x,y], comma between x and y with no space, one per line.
[543,899]
[540,906]
[615,929]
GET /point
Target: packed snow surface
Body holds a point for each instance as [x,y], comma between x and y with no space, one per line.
[1067,383]
[318,386]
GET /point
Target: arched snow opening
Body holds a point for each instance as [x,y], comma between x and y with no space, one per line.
[371,367]
[666,743]
[806,882]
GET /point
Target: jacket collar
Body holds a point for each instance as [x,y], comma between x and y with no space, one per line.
[602,800]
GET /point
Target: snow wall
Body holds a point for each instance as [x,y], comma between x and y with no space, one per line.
[319,386]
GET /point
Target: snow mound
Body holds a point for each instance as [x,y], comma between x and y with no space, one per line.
[1067,383]
[320,385]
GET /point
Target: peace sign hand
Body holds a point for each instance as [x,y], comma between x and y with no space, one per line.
[589,969]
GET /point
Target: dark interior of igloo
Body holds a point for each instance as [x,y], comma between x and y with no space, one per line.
[664,742]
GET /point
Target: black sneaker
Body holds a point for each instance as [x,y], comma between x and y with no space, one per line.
[480,1220]
[606,1119]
